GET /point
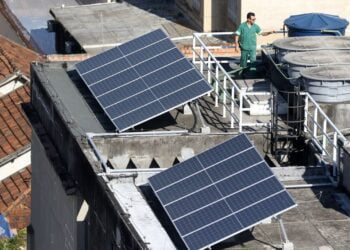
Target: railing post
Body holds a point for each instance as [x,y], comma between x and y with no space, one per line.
[209,71]
[241,110]
[193,50]
[306,113]
[315,123]
[232,106]
[224,98]
[201,60]
[324,137]
[217,86]
[335,153]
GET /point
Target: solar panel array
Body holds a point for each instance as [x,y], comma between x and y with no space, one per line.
[142,79]
[220,193]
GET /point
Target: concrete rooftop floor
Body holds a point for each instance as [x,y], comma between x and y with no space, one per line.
[318,222]
[114,23]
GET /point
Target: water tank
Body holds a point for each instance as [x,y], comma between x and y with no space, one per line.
[313,24]
[309,43]
[298,61]
[328,84]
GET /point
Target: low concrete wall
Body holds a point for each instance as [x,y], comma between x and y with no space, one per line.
[161,151]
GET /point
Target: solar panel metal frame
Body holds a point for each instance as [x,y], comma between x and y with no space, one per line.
[141,76]
[241,230]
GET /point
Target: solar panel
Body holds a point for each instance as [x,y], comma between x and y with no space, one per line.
[141,79]
[220,193]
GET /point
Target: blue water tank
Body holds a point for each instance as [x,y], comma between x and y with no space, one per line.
[312,24]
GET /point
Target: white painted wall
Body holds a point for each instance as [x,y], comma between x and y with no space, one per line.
[14,166]
[271,14]
[9,87]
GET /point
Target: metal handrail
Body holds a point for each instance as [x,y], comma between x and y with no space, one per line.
[329,121]
[236,90]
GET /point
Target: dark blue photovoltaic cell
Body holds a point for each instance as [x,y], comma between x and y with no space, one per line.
[106,71]
[225,150]
[184,187]
[139,115]
[168,72]
[253,194]
[113,82]
[213,233]
[243,179]
[202,217]
[174,174]
[122,79]
[97,61]
[147,53]
[175,84]
[185,94]
[193,202]
[143,41]
[264,209]
[122,93]
[130,104]
[234,164]
[158,62]
[232,190]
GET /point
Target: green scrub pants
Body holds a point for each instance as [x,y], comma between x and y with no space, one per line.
[248,54]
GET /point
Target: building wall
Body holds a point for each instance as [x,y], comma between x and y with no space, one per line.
[271,14]
[53,218]
[212,15]
[62,178]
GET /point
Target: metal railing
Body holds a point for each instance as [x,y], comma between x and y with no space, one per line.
[317,125]
[323,132]
[239,97]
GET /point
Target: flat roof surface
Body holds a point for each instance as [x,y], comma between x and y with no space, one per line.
[109,24]
[33,16]
[319,221]
[141,215]
[76,100]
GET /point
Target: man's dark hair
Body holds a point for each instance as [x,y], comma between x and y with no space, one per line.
[250,14]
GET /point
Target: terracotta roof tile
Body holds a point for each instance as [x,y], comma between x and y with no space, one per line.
[15,130]
[15,57]
[15,198]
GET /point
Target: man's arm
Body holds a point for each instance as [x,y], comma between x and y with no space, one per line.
[267,33]
[236,44]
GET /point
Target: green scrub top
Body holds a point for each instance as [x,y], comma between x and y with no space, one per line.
[247,36]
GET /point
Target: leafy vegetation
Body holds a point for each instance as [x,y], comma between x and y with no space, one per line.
[16,243]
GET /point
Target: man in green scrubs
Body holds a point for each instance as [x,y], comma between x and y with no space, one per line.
[245,40]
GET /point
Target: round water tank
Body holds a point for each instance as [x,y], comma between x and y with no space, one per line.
[328,84]
[315,24]
[309,43]
[298,61]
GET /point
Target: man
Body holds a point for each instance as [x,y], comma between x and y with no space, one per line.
[245,40]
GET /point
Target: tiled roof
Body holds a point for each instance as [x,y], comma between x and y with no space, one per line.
[15,130]
[15,198]
[15,57]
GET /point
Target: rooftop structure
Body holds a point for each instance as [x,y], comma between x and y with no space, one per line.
[99,177]
[97,27]
[30,19]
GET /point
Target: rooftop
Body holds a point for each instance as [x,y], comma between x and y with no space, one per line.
[124,161]
[15,130]
[318,221]
[14,57]
[15,198]
[99,26]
